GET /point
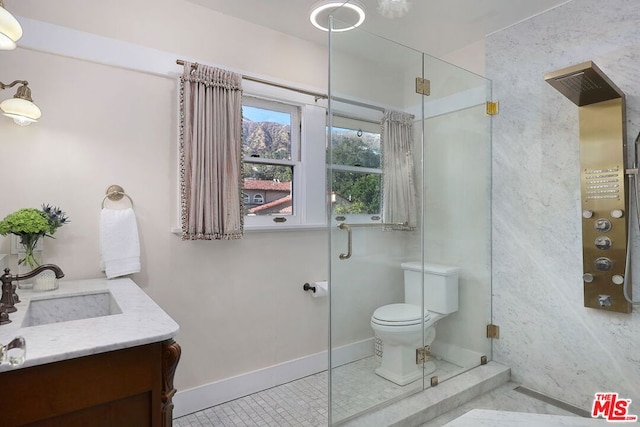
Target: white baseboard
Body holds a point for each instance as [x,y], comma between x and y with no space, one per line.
[207,395]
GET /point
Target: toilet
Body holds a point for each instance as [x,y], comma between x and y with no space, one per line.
[400,326]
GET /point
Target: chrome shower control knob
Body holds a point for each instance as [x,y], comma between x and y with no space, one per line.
[587,213]
[603,242]
[602,224]
[617,213]
[587,277]
[617,279]
[603,264]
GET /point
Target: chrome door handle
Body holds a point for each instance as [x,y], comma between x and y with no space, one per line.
[344,226]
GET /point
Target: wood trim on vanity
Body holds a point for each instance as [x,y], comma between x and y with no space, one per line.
[171,352]
[127,387]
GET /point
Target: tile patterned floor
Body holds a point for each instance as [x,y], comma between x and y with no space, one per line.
[299,403]
[356,388]
[304,402]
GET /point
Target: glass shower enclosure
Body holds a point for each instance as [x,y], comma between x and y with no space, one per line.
[377,246]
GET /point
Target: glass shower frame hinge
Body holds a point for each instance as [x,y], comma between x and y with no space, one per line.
[493,108]
[423,355]
[493,331]
[423,86]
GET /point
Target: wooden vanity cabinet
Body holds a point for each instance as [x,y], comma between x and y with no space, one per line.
[127,387]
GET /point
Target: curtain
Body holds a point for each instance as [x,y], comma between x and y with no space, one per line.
[398,191]
[210,153]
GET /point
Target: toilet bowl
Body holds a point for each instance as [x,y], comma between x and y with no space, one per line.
[401,326]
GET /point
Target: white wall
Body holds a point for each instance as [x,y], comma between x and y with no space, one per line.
[471,58]
[240,304]
[549,340]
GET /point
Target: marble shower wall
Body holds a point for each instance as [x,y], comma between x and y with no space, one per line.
[551,342]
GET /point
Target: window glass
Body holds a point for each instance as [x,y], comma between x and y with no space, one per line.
[270,149]
[266,133]
[356,179]
[356,193]
[355,147]
[269,188]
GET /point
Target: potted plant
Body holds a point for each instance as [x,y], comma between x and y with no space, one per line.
[31,224]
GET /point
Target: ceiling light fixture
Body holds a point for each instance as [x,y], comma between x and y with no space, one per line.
[20,108]
[10,29]
[393,8]
[351,14]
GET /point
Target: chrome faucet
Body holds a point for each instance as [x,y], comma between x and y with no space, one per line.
[9,297]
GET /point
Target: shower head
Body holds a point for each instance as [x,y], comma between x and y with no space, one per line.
[584,84]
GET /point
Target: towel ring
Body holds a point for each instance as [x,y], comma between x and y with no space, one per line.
[115,193]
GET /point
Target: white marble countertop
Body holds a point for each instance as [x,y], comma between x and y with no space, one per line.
[141,322]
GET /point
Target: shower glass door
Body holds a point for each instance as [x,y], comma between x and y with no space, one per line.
[449,158]
[368,74]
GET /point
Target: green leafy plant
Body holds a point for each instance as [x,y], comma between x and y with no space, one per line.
[30,224]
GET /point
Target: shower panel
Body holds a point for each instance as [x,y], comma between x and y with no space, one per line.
[603,191]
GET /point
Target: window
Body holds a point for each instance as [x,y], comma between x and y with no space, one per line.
[296,171]
[284,164]
[356,177]
[270,147]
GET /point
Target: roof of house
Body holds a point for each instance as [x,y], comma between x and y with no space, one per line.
[259,184]
[278,202]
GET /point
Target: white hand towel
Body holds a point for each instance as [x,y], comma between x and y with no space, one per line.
[119,244]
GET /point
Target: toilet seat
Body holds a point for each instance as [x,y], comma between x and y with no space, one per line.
[400,315]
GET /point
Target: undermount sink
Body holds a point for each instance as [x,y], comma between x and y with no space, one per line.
[70,307]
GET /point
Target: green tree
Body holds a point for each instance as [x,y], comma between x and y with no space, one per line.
[267,172]
[359,192]
[348,149]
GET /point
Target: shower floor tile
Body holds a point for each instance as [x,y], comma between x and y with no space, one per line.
[303,402]
[357,388]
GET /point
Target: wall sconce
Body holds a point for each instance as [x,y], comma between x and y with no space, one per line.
[20,108]
[10,29]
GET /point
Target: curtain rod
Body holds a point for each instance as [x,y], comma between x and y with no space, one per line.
[306,92]
[266,82]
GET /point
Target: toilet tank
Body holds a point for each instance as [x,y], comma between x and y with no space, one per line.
[440,286]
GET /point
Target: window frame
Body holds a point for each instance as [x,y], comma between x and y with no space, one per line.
[308,158]
[281,107]
[367,124]
[295,128]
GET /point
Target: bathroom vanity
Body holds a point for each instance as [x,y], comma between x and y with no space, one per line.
[99,353]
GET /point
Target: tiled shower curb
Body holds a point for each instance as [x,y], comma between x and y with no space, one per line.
[433,402]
